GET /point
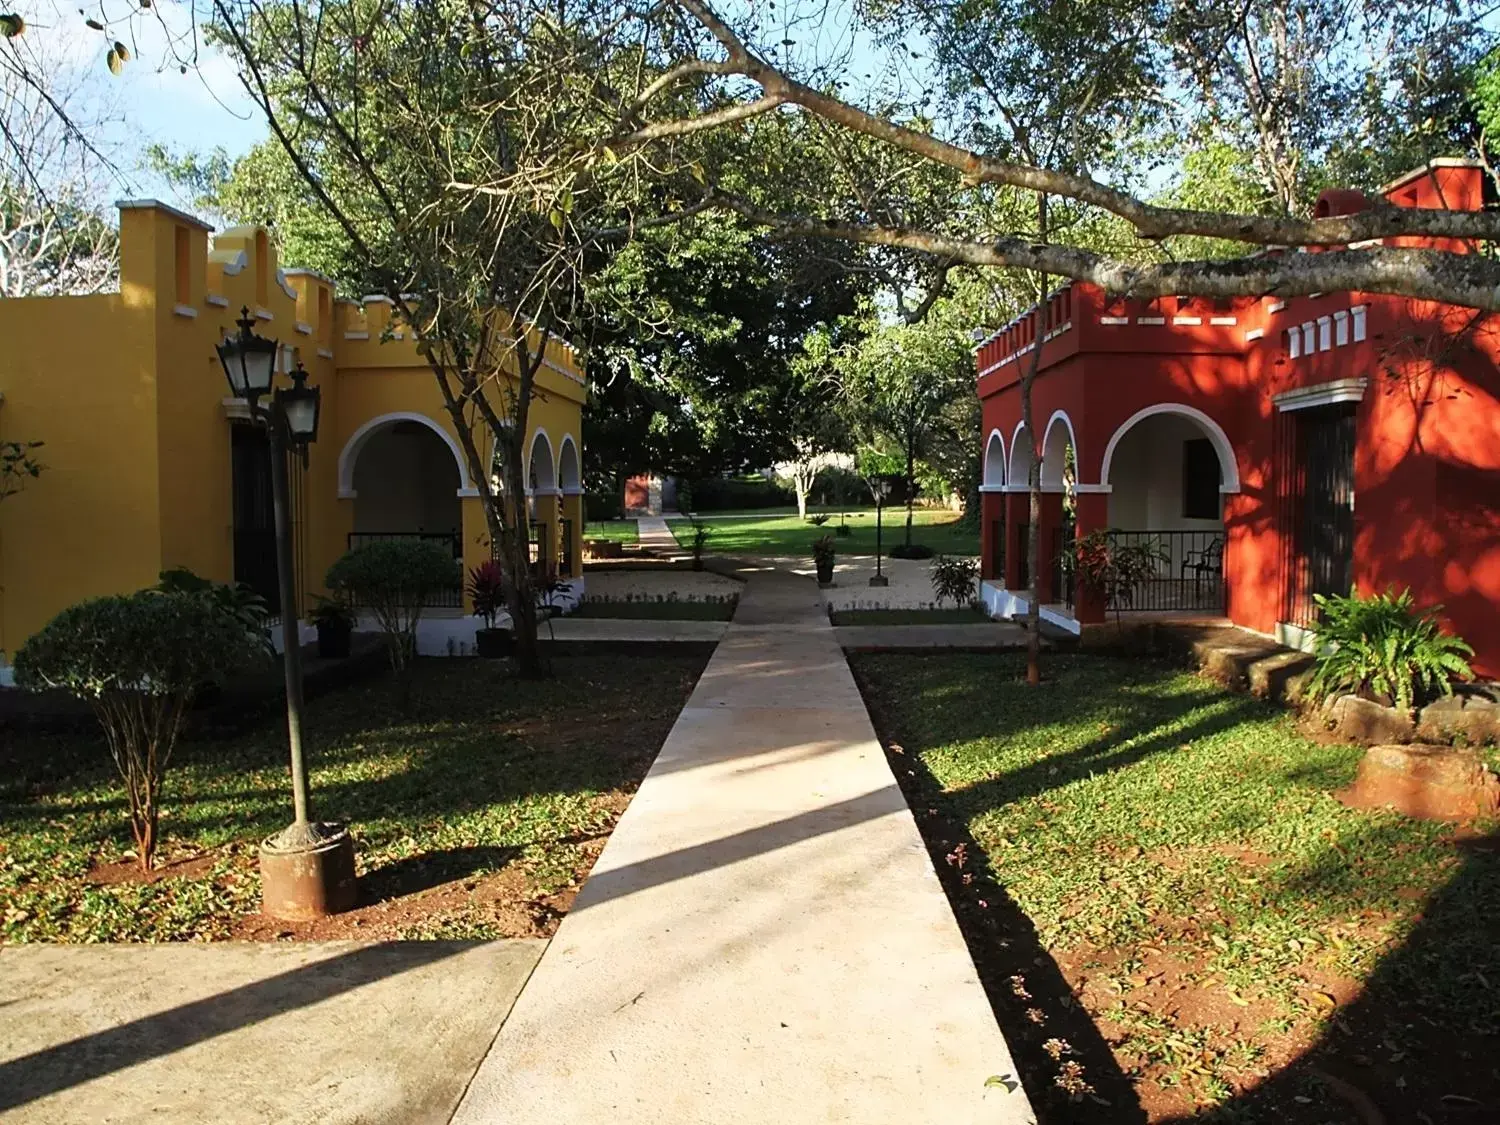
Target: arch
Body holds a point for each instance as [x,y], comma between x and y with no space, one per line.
[1229,472]
[350,453]
[569,476]
[1054,450]
[1018,475]
[541,475]
[994,461]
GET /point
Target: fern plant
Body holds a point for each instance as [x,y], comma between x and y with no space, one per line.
[1384,646]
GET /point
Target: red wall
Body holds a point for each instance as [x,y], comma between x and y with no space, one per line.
[1427,461]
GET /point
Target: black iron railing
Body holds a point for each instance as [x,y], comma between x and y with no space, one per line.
[1062,575]
[1189,573]
[449,598]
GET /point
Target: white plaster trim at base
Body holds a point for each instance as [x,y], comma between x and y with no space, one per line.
[235,265]
[578,491]
[1094,489]
[285,285]
[992,488]
[264,314]
[1015,488]
[215,299]
[356,335]
[1151,320]
[303,328]
[185,310]
[1001,603]
[1297,637]
[469,494]
[1255,334]
[326,353]
[544,492]
[1045,490]
[1322,394]
[1277,307]
[1114,320]
[1187,320]
[376,299]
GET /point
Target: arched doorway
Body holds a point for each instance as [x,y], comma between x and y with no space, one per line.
[404,476]
[1168,467]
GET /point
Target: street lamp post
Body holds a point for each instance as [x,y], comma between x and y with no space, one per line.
[882,486]
[307,869]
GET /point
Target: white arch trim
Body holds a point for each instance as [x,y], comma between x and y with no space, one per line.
[349,455]
[1056,485]
[542,486]
[1016,469]
[1229,470]
[1004,464]
[576,484]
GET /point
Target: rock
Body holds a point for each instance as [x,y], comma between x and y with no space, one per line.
[1469,717]
[1361,720]
[1430,782]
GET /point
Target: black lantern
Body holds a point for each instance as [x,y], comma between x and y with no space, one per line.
[249,360]
[299,404]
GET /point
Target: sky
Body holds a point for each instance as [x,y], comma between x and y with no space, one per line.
[151,100]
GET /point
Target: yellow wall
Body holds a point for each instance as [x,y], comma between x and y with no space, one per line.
[127,392]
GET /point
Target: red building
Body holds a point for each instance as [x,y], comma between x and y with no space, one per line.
[1273,448]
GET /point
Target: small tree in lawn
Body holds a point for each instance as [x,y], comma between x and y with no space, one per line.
[137,660]
[395,579]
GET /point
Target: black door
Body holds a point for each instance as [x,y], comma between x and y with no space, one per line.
[1326,535]
[254,514]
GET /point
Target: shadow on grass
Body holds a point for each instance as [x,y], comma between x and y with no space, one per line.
[426,870]
[1421,1042]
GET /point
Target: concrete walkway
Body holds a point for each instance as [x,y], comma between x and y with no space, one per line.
[763,939]
[247,1033]
[654,535]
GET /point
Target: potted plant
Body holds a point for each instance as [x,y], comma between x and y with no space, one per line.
[823,559]
[334,621]
[486,589]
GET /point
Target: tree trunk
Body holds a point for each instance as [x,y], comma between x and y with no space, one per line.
[911,483]
[802,485]
[1034,477]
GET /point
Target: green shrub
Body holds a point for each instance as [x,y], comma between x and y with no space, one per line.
[600,506]
[137,660]
[1384,647]
[235,599]
[395,579]
[722,494]
[953,579]
[911,551]
[699,540]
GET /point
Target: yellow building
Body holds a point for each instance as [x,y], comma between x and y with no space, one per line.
[148,465]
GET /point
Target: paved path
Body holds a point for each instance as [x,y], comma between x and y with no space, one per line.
[654,535]
[246,1033]
[763,939]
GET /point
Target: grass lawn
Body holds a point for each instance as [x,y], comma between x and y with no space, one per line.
[788,535]
[664,609]
[475,817]
[1171,912]
[965,616]
[618,531]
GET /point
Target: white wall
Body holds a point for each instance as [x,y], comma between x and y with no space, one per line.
[1146,475]
[406,480]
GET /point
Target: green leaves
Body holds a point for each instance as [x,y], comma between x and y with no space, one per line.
[1384,646]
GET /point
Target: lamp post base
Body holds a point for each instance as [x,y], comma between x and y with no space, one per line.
[299,883]
[879,580]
